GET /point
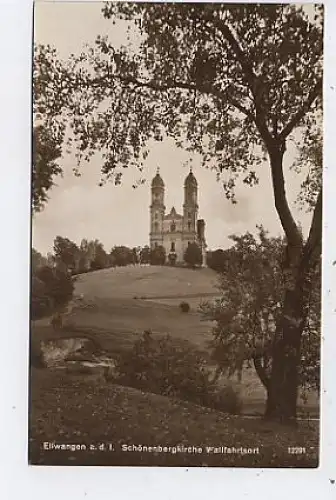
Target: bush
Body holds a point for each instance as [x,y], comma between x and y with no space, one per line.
[185,307]
[166,366]
[40,304]
[227,400]
[157,256]
[175,368]
[52,289]
[193,255]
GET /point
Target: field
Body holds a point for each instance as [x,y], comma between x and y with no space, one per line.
[114,307]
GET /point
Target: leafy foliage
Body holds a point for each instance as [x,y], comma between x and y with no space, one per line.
[145,255]
[193,255]
[217,260]
[66,252]
[172,367]
[158,256]
[246,315]
[223,80]
[165,366]
[37,260]
[46,152]
[40,302]
[122,256]
[311,161]
[52,289]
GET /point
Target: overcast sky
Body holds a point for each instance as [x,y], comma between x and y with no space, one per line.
[78,208]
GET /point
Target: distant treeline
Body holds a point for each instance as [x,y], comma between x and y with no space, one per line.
[90,255]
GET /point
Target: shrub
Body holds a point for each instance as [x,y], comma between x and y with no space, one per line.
[227,400]
[175,368]
[41,304]
[165,366]
[51,289]
[184,306]
[193,255]
[157,256]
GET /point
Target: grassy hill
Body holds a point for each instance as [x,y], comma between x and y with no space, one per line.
[119,304]
[148,282]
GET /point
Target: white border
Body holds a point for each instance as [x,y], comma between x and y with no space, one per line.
[20,481]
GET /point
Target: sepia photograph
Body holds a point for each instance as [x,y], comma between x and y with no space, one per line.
[176,247]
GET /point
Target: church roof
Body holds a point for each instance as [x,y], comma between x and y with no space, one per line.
[157,180]
[173,215]
[190,179]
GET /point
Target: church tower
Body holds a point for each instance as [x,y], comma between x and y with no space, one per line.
[190,208]
[157,211]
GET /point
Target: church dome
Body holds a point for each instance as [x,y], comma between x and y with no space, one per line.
[190,180]
[157,180]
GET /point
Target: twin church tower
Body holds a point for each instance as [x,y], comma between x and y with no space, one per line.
[174,231]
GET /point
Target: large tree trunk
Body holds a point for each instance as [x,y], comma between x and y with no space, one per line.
[284,381]
[300,259]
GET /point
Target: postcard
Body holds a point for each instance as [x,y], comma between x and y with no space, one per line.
[176,234]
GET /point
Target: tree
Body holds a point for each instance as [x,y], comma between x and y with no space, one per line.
[52,289]
[100,258]
[193,255]
[158,256]
[40,303]
[249,309]
[135,255]
[66,252]
[233,83]
[217,260]
[145,255]
[46,152]
[37,260]
[123,256]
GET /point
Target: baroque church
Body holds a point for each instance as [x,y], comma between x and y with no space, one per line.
[174,231]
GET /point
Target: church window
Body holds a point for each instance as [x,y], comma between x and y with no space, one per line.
[156,226]
[189,225]
[172,247]
[156,215]
[156,244]
[173,227]
[189,215]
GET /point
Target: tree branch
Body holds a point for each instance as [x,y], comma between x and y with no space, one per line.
[251,78]
[312,248]
[316,91]
[290,228]
[204,89]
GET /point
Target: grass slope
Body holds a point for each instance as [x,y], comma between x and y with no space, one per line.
[147,281]
[114,319]
[74,410]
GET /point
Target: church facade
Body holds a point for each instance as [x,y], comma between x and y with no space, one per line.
[172,230]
